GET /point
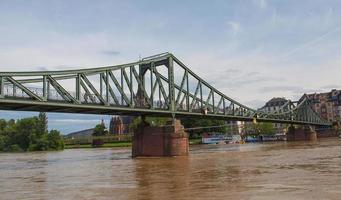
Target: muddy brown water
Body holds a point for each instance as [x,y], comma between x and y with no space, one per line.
[295,170]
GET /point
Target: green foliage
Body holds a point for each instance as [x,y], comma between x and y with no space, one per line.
[187,122]
[157,121]
[99,130]
[15,147]
[205,123]
[2,143]
[250,128]
[26,132]
[153,121]
[42,123]
[40,144]
[55,140]
[264,128]
[3,124]
[29,134]
[135,123]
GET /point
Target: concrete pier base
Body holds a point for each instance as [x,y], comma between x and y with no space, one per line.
[168,140]
[302,133]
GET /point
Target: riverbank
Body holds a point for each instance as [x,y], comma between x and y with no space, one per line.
[117,144]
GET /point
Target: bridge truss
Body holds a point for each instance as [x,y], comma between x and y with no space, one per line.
[159,85]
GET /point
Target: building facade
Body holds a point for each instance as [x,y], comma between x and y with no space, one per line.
[120,125]
[327,104]
[273,105]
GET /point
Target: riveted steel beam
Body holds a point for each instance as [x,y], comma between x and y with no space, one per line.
[23,88]
[110,91]
[140,83]
[65,94]
[119,88]
[87,92]
[194,100]
[181,87]
[93,89]
[162,89]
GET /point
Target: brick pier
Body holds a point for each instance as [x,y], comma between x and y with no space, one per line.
[301,133]
[168,140]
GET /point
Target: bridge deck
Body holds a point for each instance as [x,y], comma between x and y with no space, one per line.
[58,107]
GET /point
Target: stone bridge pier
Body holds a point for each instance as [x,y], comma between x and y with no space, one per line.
[168,140]
[301,133]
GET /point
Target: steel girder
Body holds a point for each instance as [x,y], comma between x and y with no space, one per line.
[158,85]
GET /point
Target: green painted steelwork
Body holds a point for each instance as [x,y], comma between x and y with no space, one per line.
[141,87]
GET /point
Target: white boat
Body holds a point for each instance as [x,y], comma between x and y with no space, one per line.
[213,139]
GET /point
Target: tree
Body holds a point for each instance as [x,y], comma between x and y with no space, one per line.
[55,140]
[207,125]
[153,121]
[3,125]
[3,145]
[264,128]
[26,132]
[99,130]
[250,128]
[29,134]
[42,123]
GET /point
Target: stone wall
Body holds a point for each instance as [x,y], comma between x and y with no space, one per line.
[301,133]
[169,140]
[327,133]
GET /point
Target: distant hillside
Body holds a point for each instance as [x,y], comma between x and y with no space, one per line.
[82,133]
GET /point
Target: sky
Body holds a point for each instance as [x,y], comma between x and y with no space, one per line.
[251,50]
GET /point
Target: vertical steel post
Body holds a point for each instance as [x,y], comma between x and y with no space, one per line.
[213,109]
[122,86]
[187,93]
[160,102]
[131,86]
[171,90]
[78,88]
[224,106]
[101,84]
[47,89]
[151,85]
[2,87]
[107,86]
[44,88]
[200,94]
[14,90]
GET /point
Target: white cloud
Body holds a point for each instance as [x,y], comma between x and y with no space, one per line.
[310,43]
[261,3]
[234,26]
[328,17]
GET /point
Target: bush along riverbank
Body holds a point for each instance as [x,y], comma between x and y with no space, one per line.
[29,134]
[116,144]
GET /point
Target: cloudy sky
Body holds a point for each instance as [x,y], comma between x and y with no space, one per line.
[250,50]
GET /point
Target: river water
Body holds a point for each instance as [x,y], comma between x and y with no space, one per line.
[295,170]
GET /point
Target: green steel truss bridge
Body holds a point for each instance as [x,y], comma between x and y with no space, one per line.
[159,85]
